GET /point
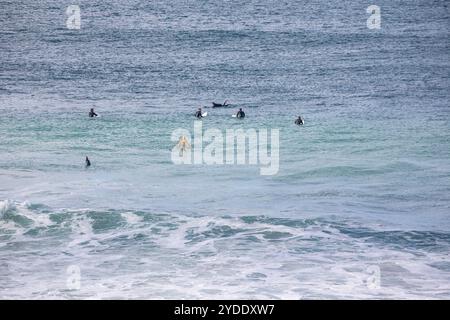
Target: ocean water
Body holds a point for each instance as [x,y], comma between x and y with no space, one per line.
[360,207]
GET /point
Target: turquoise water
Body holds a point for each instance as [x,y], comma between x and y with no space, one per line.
[363,184]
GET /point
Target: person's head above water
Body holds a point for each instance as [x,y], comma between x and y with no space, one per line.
[92,109]
[240,109]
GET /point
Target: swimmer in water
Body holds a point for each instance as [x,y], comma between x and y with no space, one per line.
[183,145]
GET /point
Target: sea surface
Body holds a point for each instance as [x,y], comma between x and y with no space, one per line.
[360,206]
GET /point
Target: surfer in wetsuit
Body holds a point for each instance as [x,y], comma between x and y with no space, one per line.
[92,113]
[299,121]
[198,114]
[88,162]
[216,105]
[240,114]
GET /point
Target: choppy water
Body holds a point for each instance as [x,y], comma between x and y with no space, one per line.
[363,186]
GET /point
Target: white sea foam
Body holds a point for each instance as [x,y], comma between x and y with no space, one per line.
[174,256]
[5,206]
[131,218]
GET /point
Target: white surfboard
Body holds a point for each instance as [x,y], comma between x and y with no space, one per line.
[234,115]
[204,114]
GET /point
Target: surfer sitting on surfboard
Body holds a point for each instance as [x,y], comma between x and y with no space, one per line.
[299,121]
[183,145]
[240,113]
[198,114]
[92,113]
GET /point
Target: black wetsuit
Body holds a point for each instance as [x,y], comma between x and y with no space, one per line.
[240,114]
[92,114]
[299,121]
[88,162]
[217,105]
[198,114]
